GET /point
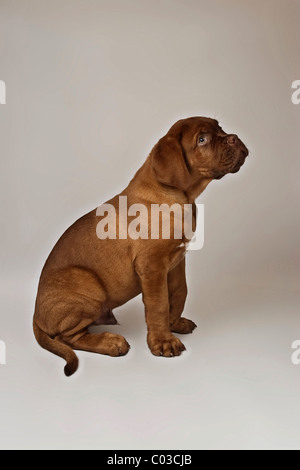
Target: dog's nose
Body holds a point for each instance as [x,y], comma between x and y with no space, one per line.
[232,139]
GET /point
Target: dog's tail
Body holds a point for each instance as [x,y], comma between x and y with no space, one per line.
[57,347]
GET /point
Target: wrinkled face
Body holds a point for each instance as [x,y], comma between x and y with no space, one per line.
[194,149]
[209,151]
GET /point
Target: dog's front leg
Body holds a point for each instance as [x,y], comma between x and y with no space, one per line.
[177,295]
[154,283]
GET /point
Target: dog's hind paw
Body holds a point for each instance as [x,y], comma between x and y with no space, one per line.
[115,345]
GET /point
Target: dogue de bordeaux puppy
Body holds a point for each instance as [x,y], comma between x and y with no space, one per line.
[85,277]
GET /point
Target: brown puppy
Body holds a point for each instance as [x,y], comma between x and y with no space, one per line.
[86,277]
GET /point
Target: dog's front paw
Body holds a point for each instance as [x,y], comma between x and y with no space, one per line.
[183,326]
[165,345]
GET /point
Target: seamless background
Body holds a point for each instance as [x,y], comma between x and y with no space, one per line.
[91,86]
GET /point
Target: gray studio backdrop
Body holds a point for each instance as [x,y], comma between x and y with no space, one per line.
[90,87]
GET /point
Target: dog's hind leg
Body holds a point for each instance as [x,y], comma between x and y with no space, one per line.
[102,343]
[69,302]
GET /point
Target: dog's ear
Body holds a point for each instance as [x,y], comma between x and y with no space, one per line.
[169,163]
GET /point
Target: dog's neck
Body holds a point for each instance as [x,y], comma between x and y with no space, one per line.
[195,190]
[146,185]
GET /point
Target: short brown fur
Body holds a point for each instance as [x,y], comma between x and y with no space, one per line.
[85,278]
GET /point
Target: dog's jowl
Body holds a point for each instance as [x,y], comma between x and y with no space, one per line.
[86,276]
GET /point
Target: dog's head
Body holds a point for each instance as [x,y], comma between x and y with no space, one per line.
[195,149]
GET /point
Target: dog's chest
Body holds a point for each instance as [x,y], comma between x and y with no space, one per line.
[177,255]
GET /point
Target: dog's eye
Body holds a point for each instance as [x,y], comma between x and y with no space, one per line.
[202,140]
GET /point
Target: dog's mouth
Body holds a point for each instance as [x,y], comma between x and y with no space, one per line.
[241,160]
[234,167]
